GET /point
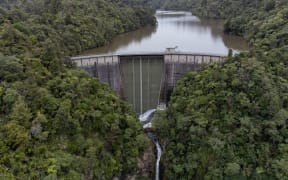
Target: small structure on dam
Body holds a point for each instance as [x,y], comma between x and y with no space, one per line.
[143,80]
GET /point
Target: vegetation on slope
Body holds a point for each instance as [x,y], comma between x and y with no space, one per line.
[220,9]
[55,120]
[229,121]
[70,126]
[51,30]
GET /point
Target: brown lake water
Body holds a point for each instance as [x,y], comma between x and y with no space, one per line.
[175,28]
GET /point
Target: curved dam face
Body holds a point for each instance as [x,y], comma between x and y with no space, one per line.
[143,80]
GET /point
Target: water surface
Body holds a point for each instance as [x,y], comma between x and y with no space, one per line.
[176,29]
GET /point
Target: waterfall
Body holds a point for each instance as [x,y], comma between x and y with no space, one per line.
[146,119]
[147,116]
[159,153]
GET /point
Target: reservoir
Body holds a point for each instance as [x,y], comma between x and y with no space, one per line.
[146,79]
[175,29]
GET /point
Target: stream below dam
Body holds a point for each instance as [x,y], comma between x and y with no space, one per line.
[146,119]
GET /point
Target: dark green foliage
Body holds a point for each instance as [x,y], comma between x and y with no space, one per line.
[11,70]
[51,29]
[55,121]
[229,121]
[220,8]
[68,125]
[233,122]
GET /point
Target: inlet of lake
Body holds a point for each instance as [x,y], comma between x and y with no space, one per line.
[175,29]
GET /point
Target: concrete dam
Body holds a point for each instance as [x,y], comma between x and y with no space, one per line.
[143,80]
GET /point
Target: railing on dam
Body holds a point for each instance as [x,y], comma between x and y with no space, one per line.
[144,80]
[196,58]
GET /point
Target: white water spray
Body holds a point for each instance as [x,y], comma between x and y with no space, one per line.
[159,153]
[146,118]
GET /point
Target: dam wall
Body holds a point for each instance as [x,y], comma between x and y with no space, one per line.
[143,80]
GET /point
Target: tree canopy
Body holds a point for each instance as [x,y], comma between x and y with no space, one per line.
[229,121]
[55,120]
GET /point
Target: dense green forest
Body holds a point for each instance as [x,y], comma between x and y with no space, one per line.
[226,121]
[229,121]
[218,8]
[55,120]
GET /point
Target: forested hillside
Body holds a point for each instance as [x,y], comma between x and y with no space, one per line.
[229,121]
[53,29]
[220,9]
[55,120]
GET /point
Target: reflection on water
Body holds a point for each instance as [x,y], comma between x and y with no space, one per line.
[176,28]
[235,42]
[125,40]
